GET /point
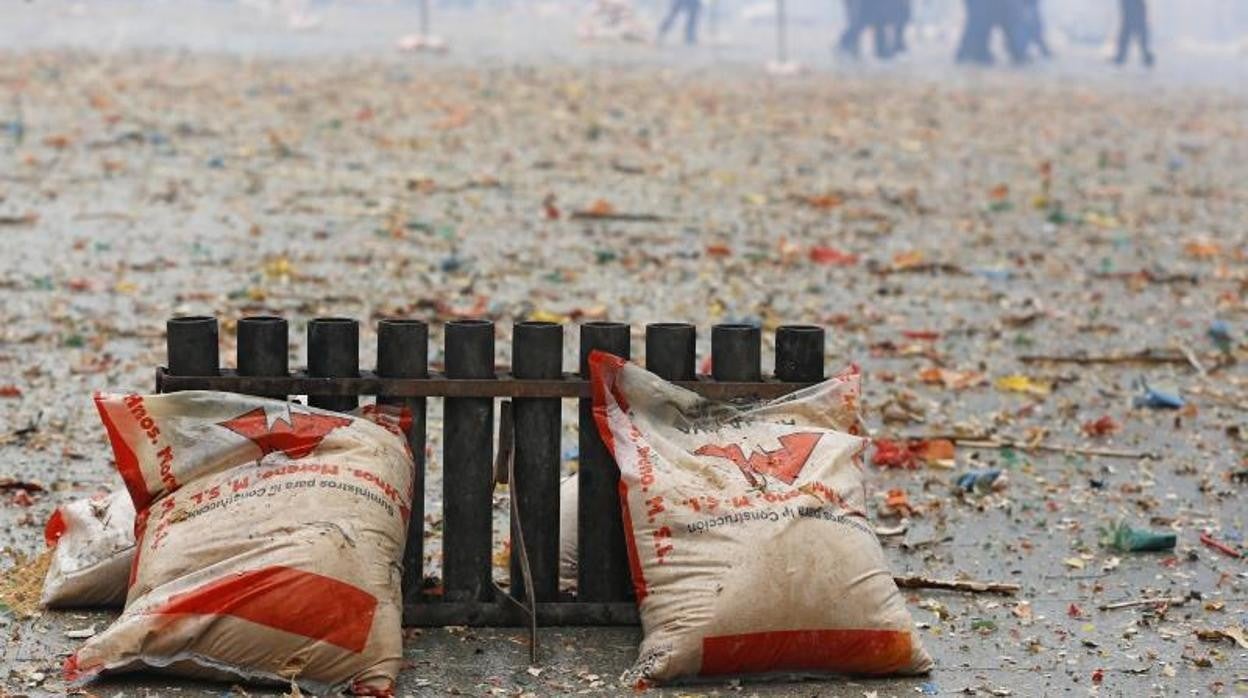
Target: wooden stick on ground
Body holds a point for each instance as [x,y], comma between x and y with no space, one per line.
[1191,358]
[1147,356]
[1076,450]
[988,442]
[1168,600]
[958,585]
[625,217]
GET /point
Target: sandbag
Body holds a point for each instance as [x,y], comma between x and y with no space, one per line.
[93,547]
[748,541]
[269,536]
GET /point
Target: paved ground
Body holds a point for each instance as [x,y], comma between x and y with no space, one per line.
[933,223]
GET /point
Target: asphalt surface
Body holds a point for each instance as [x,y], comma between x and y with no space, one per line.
[329,177]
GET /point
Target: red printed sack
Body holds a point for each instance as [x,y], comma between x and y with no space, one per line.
[749,545]
[269,539]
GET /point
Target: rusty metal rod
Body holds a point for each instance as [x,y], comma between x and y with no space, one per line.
[437,385]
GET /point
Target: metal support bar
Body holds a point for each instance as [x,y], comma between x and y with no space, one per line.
[602,563]
[671,349]
[333,352]
[191,346]
[403,352]
[468,459]
[263,349]
[799,353]
[538,353]
[736,353]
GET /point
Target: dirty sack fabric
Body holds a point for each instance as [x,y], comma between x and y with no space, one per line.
[568,499]
[92,543]
[749,546]
[269,536]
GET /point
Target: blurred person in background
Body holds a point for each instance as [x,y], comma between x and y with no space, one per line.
[1033,29]
[982,17]
[1134,27]
[691,9]
[887,20]
[855,24]
[898,15]
[973,47]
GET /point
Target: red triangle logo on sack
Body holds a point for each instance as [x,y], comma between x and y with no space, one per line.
[293,432]
[783,463]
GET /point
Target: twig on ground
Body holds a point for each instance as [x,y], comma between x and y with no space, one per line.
[105,215]
[624,217]
[20,219]
[958,585]
[925,268]
[1191,358]
[1056,448]
[989,442]
[1153,601]
[920,544]
[1146,356]
[626,168]
[1219,546]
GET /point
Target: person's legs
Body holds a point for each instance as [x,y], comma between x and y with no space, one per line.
[995,19]
[673,11]
[902,21]
[878,19]
[1143,32]
[1032,28]
[693,8]
[1027,32]
[851,37]
[1010,19]
[1037,28]
[1124,31]
[973,48]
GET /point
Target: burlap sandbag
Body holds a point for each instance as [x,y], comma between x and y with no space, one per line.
[269,542]
[747,535]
